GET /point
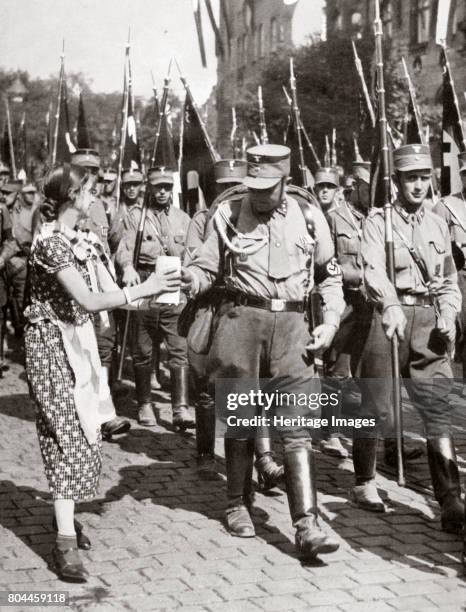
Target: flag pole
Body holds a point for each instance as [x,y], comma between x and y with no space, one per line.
[57,114]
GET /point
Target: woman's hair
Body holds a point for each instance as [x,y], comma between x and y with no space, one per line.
[56,186]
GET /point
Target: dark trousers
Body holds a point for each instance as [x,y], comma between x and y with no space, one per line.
[16,273]
[157,324]
[424,366]
[106,339]
[461,349]
[251,344]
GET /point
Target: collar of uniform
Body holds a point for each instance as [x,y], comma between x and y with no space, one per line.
[161,209]
[407,216]
[360,216]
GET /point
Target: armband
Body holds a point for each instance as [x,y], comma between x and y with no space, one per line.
[327,269]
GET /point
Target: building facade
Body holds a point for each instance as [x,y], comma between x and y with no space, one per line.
[410,27]
[251,31]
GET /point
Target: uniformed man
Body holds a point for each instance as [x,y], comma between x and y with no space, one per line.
[4,173]
[263,253]
[107,195]
[453,209]
[164,234]
[420,307]
[98,223]
[8,249]
[327,188]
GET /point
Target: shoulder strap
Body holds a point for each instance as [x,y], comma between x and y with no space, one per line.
[308,218]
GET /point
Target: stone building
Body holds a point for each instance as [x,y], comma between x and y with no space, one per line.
[410,28]
[251,30]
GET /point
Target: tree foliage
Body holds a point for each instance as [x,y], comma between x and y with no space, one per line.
[103,113]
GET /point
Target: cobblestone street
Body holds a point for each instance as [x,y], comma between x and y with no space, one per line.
[158,541]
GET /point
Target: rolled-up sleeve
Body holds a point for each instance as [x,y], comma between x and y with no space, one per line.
[379,289]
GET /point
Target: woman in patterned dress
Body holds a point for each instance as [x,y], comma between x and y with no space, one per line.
[62,363]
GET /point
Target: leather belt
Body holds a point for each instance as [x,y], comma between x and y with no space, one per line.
[411,299]
[270,304]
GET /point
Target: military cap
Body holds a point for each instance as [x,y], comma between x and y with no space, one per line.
[267,165]
[412,157]
[109,175]
[132,176]
[12,186]
[4,168]
[362,171]
[230,170]
[29,188]
[462,161]
[327,175]
[88,158]
[160,176]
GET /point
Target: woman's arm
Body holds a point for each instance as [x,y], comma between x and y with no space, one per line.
[76,287]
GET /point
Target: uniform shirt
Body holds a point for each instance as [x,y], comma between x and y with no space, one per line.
[429,234]
[22,219]
[164,234]
[196,234]
[97,222]
[346,225]
[453,210]
[8,246]
[281,267]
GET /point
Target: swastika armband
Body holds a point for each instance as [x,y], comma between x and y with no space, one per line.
[324,270]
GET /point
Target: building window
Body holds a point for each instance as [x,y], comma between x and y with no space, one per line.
[281,33]
[387,18]
[260,41]
[420,30]
[273,34]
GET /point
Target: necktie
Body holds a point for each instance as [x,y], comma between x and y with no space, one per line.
[166,233]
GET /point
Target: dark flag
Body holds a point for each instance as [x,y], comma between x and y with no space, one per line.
[165,153]
[63,145]
[22,149]
[83,137]
[6,148]
[132,154]
[453,140]
[197,160]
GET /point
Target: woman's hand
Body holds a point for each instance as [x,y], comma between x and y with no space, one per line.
[130,277]
[162,282]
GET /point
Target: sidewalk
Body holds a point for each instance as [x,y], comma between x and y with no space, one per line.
[158,542]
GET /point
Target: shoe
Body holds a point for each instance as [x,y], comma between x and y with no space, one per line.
[115,427]
[446,483]
[154,383]
[68,565]
[269,473]
[182,420]
[310,540]
[179,395]
[83,541]
[409,453]
[367,497]
[239,522]
[333,448]
[146,415]
[207,468]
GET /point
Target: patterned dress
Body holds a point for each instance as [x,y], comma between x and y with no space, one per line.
[72,465]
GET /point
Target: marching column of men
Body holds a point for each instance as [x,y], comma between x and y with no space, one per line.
[253,259]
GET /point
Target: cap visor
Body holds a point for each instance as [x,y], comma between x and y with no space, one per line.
[229,179]
[260,183]
[326,183]
[161,181]
[411,167]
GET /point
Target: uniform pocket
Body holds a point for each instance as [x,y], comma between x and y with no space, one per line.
[347,243]
[437,256]
[402,256]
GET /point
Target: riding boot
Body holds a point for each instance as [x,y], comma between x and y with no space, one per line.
[239,456]
[205,437]
[446,483]
[269,473]
[302,499]
[365,494]
[143,393]
[179,395]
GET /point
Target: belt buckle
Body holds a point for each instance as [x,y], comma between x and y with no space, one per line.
[277,305]
[409,299]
